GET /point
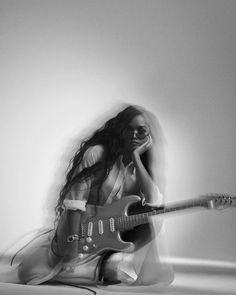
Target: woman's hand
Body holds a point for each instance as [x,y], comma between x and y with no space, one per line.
[144,146]
[70,259]
[69,266]
[71,251]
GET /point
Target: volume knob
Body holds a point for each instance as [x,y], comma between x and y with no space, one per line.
[85,248]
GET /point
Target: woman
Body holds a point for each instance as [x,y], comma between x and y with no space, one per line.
[115,162]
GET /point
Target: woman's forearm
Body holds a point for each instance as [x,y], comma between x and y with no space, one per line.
[73,219]
[147,185]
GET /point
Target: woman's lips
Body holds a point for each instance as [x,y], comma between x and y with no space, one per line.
[134,143]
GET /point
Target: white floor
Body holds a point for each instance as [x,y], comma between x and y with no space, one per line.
[189,283]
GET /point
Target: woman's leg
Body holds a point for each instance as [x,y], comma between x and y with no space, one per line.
[143,267]
[37,265]
[153,270]
[119,268]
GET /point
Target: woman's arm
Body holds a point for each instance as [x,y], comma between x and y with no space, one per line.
[147,184]
[73,220]
[75,204]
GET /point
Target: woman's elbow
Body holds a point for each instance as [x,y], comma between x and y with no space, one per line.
[154,197]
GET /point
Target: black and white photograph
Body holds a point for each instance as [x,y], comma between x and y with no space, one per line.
[118,147]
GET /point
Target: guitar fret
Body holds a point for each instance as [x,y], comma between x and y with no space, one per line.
[130,221]
[123,222]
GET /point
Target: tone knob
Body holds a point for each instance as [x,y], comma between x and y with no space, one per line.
[85,248]
[94,246]
[89,240]
[81,255]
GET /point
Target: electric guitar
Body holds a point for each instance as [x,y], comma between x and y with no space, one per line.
[102,226]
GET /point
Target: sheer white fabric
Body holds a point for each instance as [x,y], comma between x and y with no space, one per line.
[74,205]
[130,267]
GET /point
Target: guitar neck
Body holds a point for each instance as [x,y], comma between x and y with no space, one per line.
[130,221]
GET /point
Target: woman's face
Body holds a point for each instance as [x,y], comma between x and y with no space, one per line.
[136,132]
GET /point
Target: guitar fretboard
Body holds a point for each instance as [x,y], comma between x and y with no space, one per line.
[126,222]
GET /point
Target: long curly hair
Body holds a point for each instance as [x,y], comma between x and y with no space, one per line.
[110,136]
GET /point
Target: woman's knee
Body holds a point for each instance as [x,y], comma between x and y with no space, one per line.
[25,273]
[30,270]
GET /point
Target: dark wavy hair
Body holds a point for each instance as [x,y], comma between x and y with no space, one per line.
[110,136]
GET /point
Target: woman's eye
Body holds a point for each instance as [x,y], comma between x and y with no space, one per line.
[142,131]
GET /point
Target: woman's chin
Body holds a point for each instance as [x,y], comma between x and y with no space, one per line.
[134,146]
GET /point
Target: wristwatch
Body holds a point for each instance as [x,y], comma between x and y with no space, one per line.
[72,238]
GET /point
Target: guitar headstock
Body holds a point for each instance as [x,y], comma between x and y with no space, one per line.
[219,201]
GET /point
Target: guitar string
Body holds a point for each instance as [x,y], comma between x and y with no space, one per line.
[122,222]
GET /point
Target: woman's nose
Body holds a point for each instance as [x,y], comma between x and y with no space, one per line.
[134,134]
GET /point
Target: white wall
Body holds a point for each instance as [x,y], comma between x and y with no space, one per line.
[64,65]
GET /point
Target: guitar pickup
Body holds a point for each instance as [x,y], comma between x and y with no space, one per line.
[90,229]
[112,224]
[100,227]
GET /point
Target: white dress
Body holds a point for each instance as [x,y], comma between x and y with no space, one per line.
[141,267]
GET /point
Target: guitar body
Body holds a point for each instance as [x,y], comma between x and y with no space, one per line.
[98,232]
[124,225]
[107,238]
